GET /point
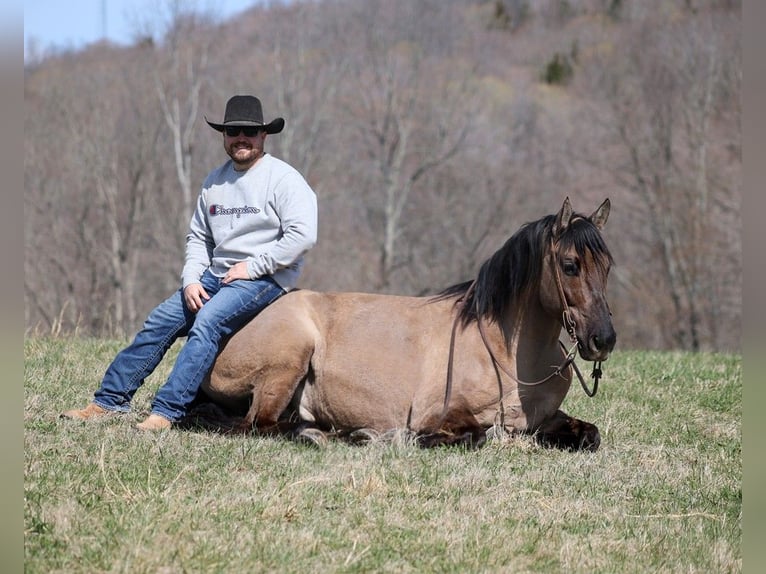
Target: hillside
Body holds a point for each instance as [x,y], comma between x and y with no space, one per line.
[430,130]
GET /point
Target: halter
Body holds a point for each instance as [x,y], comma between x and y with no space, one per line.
[569,356]
[569,325]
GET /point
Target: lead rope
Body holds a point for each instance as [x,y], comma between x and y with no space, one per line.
[596,375]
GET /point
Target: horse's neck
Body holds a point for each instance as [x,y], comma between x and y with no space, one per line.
[531,336]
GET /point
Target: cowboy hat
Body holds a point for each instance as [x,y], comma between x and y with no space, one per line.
[246,111]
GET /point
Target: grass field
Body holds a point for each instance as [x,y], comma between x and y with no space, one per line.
[663,494]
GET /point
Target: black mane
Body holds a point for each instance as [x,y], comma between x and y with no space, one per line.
[516,267]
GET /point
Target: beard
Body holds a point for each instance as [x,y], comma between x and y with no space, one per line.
[242,153]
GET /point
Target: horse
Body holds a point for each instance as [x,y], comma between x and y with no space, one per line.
[480,355]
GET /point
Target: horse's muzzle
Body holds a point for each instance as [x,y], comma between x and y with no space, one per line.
[599,345]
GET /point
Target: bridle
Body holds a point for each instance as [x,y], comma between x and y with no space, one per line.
[569,356]
[570,326]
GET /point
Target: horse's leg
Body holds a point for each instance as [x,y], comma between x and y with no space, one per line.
[457,427]
[268,405]
[272,396]
[565,432]
[474,438]
[212,417]
[361,436]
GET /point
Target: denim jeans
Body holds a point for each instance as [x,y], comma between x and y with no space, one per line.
[229,308]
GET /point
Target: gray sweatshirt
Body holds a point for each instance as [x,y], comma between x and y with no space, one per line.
[266,216]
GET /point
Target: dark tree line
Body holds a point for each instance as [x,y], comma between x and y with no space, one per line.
[430,129]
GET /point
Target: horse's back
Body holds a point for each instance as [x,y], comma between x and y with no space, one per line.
[353,359]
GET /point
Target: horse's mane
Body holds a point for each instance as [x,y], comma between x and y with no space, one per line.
[516,267]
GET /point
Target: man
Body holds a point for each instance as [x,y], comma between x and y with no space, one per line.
[255,219]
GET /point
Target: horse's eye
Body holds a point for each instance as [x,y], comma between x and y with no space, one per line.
[570,268]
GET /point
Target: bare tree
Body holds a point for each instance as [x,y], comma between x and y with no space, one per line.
[179,75]
[100,206]
[410,116]
[307,70]
[428,135]
[663,113]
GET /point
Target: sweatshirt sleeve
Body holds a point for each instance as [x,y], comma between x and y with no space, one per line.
[199,245]
[296,206]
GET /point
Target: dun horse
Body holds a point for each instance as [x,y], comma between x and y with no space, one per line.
[481,354]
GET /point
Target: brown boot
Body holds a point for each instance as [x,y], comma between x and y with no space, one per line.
[154,423]
[92,411]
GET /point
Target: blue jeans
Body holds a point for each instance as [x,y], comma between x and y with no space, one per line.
[229,308]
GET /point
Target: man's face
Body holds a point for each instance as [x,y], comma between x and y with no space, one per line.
[244,145]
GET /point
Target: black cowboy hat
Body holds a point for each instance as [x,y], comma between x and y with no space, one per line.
[246,111]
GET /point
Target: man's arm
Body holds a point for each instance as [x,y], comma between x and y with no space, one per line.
[297,209]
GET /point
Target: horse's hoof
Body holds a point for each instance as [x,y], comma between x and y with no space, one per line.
[241,428]
[363,436]
[312,437]
[574,435]
[496,432]
[590,439]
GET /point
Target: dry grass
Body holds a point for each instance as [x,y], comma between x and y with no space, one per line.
[662,494]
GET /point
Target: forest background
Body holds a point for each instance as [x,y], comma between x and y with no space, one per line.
[430,130]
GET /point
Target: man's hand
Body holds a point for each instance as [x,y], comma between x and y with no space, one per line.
[194,295]
[236,271]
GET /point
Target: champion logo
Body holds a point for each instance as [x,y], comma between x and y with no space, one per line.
[238,211]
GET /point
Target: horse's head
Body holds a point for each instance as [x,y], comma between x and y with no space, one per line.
[574,280]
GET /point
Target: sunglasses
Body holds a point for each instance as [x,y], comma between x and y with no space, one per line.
[250,132]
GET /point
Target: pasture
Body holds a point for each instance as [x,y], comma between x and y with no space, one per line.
[663,493]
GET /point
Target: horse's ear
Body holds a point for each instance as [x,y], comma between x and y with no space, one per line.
[562,219]
[600,216]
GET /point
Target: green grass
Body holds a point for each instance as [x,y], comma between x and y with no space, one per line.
[663,494]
